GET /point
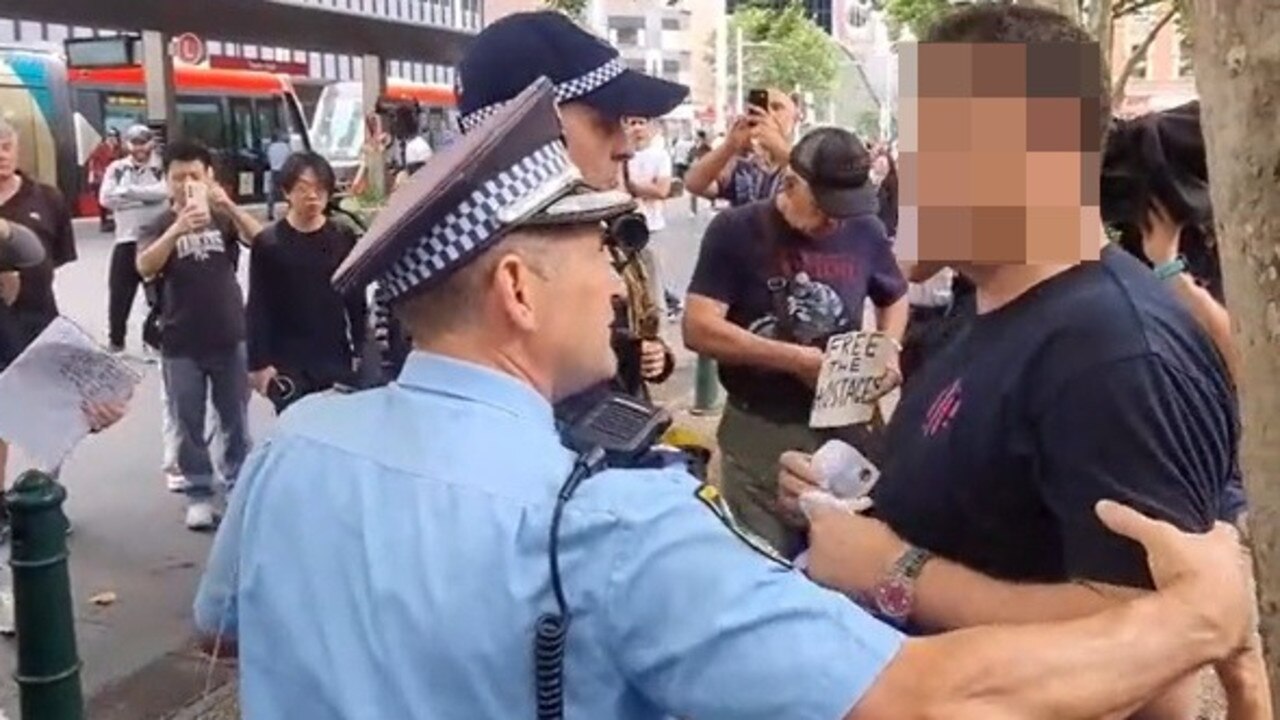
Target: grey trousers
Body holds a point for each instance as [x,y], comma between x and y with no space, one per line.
[221,379]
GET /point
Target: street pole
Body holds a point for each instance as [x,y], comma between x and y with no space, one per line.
[48,673]
[158,87]
[706,393]
[374,85]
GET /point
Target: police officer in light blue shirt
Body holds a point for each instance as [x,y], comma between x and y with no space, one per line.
[385,554]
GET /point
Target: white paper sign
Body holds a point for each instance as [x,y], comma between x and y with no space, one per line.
[43,391]
[851,369]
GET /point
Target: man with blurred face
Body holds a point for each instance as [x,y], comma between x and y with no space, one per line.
[303,337]
[747,167]
[349,568]
[193,249]
[1081,378]
[134,189]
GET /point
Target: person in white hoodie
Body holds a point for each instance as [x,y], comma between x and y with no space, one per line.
[135,190]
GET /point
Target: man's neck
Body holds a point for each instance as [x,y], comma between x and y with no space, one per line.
[1002,284]
[303,223]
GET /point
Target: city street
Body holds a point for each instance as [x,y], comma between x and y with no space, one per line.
[129,538]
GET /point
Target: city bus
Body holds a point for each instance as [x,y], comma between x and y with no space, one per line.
[63,114]
[338,129]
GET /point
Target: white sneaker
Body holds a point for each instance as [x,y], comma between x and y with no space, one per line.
[175,482]
[201,516]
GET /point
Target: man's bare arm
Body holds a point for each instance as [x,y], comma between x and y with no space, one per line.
[1211,316]
[152,258]
[659,189]
[703,178]
[708,332]
[1104,665]
[892,319]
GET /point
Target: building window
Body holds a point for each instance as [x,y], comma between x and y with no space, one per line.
[8,31]
[31,31]
[1141,68]
[636,65]
[626,37]
[670,23]
[671,70]
[251,52]
[330,66]
[1186,58]
[315,66]
[57,33]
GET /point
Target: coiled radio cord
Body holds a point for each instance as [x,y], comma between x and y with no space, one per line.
[553,628]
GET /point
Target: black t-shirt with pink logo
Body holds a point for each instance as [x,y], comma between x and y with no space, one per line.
[1094,384]
[821,283]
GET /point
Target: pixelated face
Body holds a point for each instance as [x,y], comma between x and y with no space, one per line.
[999,153]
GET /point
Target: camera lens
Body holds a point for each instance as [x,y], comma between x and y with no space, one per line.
[629,233]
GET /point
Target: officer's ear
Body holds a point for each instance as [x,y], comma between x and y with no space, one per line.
[520,280]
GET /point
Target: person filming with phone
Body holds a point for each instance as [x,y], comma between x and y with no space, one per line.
[748,166]
[192,250]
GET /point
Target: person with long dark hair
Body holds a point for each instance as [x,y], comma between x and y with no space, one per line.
[303,336]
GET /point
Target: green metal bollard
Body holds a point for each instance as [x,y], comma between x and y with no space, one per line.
[48,666]
[706,388]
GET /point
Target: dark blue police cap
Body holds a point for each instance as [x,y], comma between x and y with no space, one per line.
[512,172]
[514,51]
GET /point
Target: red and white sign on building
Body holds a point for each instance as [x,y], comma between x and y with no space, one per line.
[189,48]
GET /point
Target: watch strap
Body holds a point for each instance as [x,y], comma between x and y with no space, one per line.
[1173,268]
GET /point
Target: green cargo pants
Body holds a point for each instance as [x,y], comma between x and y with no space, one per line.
[750,446]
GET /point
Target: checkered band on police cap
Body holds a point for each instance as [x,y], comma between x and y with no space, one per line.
[475,220]
[571,89]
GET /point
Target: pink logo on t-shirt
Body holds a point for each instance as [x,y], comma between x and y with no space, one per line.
[943,410]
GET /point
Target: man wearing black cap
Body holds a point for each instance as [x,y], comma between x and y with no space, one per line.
[595,91]
[444,550]
[775,280]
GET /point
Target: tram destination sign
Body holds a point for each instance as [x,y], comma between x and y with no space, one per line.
[104,52]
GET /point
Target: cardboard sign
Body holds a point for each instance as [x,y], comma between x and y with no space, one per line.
[851,371]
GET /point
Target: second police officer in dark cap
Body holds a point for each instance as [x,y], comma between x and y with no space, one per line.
[394,553]
[594,91]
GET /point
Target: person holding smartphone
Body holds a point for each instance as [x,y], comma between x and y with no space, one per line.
[192,251]
[747,167]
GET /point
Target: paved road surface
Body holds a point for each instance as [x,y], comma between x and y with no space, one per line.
[129,538]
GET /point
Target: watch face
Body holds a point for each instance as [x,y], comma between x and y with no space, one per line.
[894,598]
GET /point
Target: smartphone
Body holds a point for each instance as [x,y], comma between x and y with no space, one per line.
[759,98]
[198,193]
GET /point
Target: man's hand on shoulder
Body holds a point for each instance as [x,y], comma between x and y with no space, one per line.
[1203,575]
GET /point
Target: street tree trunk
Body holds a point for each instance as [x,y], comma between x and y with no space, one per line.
[1237,65]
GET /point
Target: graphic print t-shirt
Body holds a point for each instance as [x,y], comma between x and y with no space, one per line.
[202,308]
[824,289]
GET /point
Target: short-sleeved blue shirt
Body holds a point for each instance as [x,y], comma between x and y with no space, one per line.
[385,556]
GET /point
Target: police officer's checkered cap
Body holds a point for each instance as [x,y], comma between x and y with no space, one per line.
[512,52]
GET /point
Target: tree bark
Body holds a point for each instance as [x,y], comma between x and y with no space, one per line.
[1238,78]
[1117,90]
